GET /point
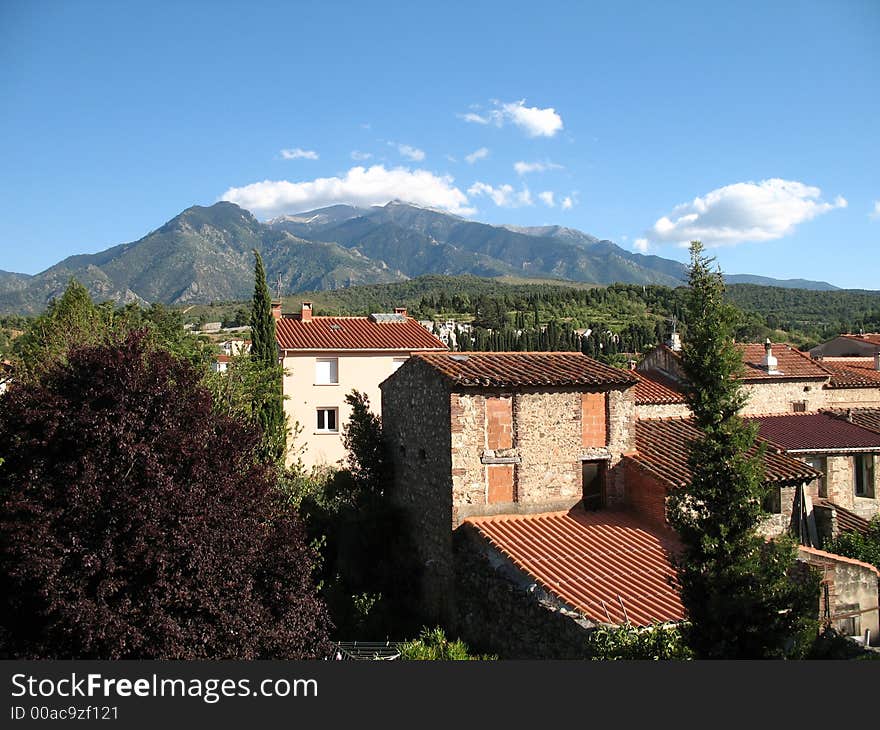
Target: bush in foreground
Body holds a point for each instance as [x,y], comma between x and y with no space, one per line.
[137,523]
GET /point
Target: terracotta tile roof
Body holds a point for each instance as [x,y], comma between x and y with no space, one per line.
[507,369]
[852,375]
[815,432]
[354,333]
[846,520]
[791,363]
[593,561]
[663,447]
[655,388]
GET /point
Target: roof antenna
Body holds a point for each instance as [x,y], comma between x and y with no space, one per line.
[278,287]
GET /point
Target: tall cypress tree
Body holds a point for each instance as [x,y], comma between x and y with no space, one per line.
[744,596]
[268,405]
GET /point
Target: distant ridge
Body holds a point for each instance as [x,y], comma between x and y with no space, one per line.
[204,254]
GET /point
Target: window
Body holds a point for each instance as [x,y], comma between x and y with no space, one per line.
[593,475]
[818,463]
[799,406]
[864,476]
[327,420]
[327,371]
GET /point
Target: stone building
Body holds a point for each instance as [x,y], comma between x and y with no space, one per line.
[536,498]
[479,434]
[846,455]
[862,345]
[776,379]
[325,358]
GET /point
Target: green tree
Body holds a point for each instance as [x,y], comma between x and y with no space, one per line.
[363,440]
[744,596]
[264,352]
[432,645]
[860,546]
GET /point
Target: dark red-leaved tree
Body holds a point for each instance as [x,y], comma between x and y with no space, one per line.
[136,522]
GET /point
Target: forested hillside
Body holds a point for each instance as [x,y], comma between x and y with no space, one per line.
[622,318]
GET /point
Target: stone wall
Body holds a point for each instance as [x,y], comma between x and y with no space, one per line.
[523,451]
[850,593]
[778,396]
[501,610]
[669,410]
[840,487]
[662,358]
[415,417]
[852,398]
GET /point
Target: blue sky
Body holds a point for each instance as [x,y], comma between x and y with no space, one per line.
[751,125]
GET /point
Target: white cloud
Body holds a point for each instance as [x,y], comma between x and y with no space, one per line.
[480,154]
[524,168]
[360,156]
[504,196]
[876,212]
[451,158]
[474,118]
[741,212]
[535,122]
[547,198]
[359,186]
[296,153]
[410,152]
[641,245]
[568,202]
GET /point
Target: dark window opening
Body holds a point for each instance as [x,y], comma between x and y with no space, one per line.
[593,474]
[864,476]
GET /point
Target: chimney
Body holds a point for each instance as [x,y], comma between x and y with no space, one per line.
[306,315]
[276,309]
[401,311]
[770,362]
[674,342]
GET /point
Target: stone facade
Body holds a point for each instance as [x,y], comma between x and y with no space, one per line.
[836,398]
[848,600]
[502,610]
[780,396]
[840,488]
[664,410]
[416,416]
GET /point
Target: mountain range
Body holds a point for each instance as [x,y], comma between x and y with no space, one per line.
[205,254]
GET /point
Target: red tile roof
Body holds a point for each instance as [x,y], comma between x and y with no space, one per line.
[852,374]
[846,520]
[354,333]
[818,432]
[594,561]
[511,369]
[790,363]
[663,448]
[657,389]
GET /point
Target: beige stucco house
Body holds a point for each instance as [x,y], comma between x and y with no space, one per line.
[325,358]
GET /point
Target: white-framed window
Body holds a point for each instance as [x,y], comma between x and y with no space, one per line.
[327,420]
[327,371]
